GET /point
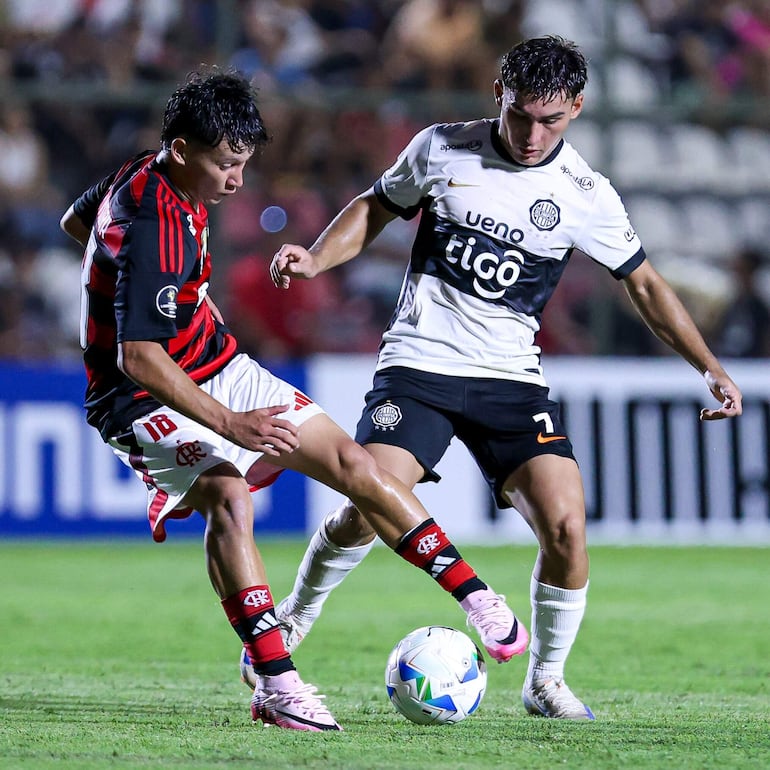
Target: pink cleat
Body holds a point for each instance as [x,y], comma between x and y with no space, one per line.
[502,635]
[285,700]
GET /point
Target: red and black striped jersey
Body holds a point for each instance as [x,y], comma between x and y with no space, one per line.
[145,276]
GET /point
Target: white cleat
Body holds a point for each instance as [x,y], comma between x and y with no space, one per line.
[552,698]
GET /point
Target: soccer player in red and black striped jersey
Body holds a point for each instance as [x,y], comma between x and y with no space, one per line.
[203,425]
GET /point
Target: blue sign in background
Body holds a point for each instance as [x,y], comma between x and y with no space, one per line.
[58,479]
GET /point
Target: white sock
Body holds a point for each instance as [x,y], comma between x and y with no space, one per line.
[556,617]
[323,567]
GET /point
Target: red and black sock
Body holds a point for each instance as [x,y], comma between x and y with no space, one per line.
[252,615]
[428,547]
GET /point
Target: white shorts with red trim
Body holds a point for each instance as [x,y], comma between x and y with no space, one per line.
[169,451]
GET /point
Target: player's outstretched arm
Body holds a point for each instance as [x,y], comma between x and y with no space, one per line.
[357,225]
[667,317]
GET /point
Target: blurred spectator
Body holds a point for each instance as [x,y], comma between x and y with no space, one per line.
[24,170]
[28,326]
[283,44]
[503,25]
[378,275]
[103,40]
[708,58]
[718,49]
[78,78]
[270,204]
[566,325]
[60,300]
[437,44]
[313,317]
[39,296]
[296,42]
[743,330]
[619,329]
[750,22]
[351,31]
[40,17]
[590,313]
[33,202]
[134,32]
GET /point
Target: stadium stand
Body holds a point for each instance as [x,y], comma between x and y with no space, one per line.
[675,119]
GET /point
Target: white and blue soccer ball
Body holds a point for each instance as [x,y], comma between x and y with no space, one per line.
[436,675]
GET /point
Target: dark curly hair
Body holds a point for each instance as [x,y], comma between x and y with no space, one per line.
[544,68]
[212,106]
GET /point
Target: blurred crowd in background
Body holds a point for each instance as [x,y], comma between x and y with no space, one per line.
[344,85]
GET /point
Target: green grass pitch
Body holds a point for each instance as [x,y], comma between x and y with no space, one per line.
[118,655]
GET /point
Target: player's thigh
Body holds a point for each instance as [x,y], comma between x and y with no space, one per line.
[548,492]
[328,454]
[399,462]
[509,424]
[407,435]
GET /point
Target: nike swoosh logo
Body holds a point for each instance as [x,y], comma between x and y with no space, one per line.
[452,183]
[541,439]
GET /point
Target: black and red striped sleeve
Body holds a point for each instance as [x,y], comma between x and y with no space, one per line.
[86,205]
[157,254]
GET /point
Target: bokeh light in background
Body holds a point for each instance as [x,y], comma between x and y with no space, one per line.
[273,219]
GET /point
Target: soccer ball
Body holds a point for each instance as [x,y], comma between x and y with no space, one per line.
[436,675]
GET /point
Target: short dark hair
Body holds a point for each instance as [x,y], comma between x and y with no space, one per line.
[212,106]
[544,68]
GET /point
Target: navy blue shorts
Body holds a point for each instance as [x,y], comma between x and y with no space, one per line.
[503,423]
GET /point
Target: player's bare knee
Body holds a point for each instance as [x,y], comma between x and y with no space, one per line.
[227,508]
[564,537]
[359,474]
[347,527]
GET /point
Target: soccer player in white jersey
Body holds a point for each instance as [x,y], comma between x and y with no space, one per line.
[504,203]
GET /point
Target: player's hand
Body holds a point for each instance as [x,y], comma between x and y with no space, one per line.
[261,430]
[291,261]
[725,391]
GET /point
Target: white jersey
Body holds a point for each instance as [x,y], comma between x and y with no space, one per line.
[492,243]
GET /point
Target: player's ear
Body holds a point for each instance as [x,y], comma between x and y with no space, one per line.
[577,106]
[499,92]
[178,150]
